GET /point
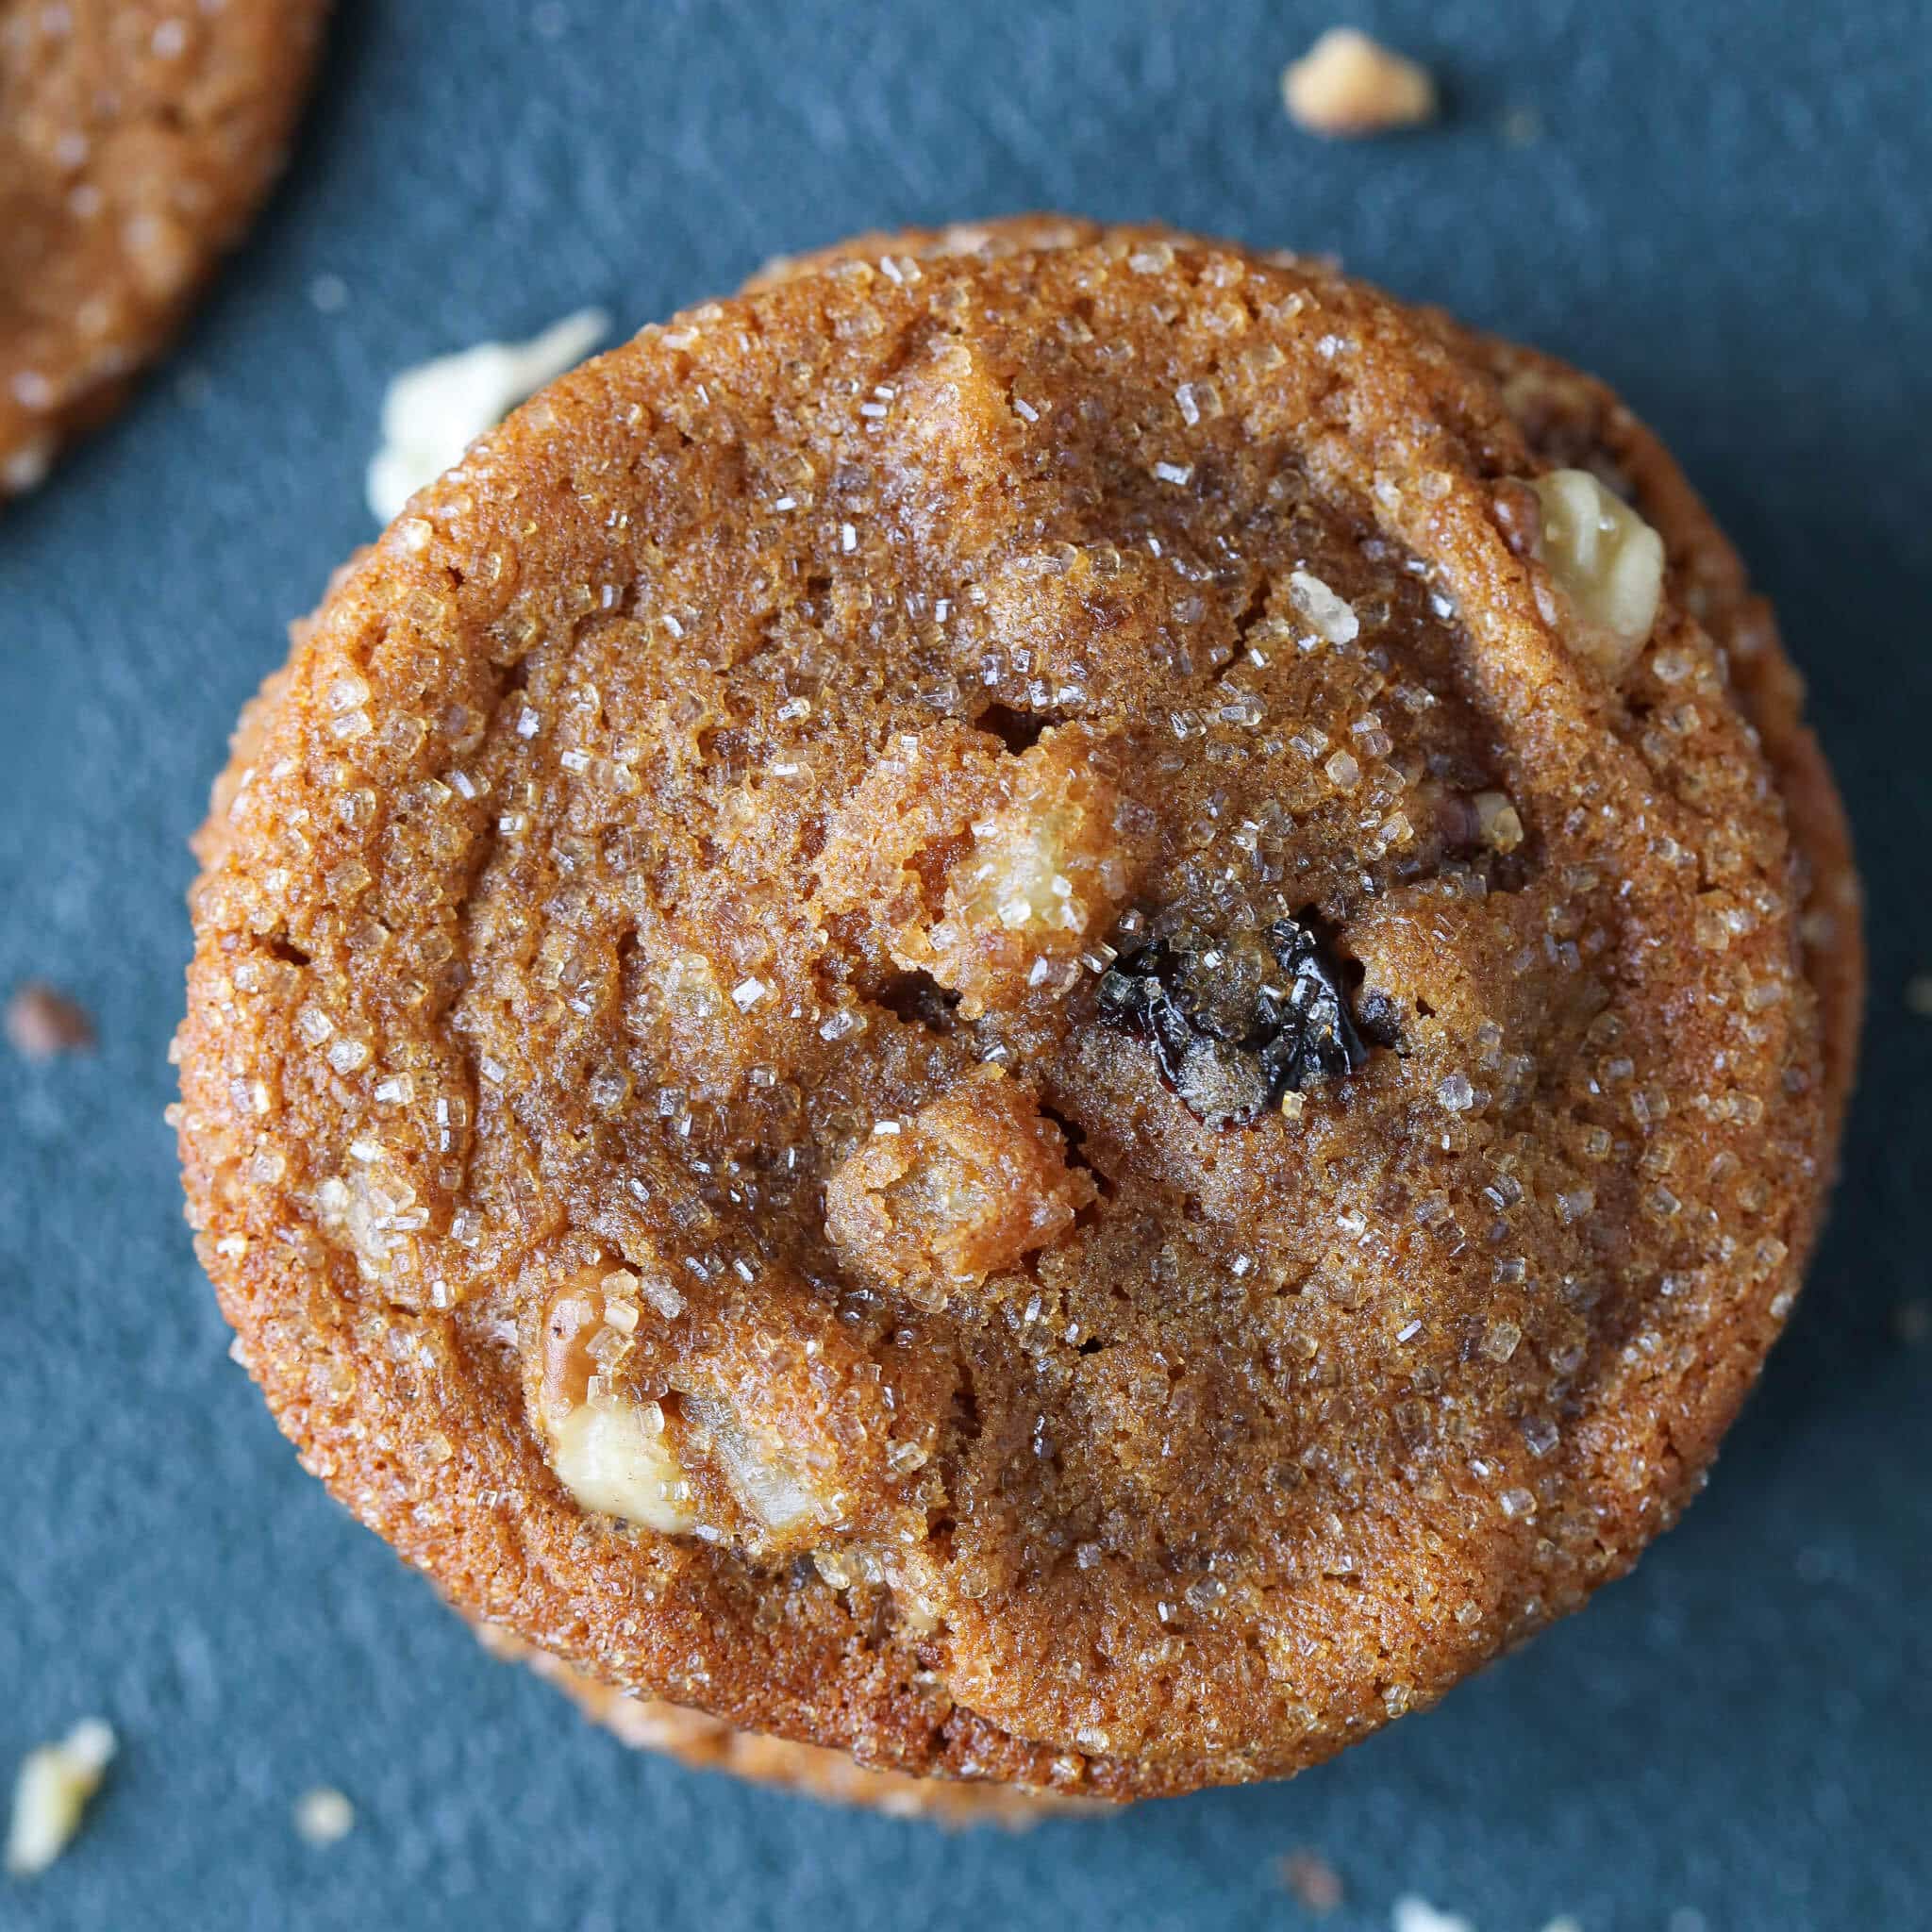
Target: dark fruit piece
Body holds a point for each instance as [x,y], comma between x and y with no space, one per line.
[1237,1024]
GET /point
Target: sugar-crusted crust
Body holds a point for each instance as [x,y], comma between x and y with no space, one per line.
[706,1744]
[1288,1426]
[138,140]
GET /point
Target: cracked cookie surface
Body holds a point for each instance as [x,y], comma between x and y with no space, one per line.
[648,1106]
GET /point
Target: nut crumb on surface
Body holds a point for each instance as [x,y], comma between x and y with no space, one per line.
[1522,127]
[1347,84]
[43,1021]
[434,412]
[323,1816]
[1314,1883]
[1414,1914]
[51,1794]
[1919,996]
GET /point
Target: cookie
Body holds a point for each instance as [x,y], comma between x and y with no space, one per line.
[706,1744]
[137,139]
[1043,1006]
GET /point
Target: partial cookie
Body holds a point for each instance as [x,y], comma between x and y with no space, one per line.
[706,1744]
[1571,421]
[1040,1009]
[137,138]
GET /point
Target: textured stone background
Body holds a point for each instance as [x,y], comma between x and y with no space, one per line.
[1725,214]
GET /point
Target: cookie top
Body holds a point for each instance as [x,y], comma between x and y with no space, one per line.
[136,139]
[1043,1010]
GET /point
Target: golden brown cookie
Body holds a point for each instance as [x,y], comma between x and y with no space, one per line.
[137,139]
[706,1744]
[1039,1006]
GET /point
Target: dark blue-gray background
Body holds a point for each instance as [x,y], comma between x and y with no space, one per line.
[1723,210]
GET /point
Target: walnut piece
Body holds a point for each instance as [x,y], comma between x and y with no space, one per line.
[770,1486]
[433,412]
[974,1181]
[1607,563]
[1498,825]
[56,1782]
[323,1816]
[607,1450]
[1347,84]
[990,872]
[1043,876]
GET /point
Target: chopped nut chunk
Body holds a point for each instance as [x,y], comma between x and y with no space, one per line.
[1331,617]
[1608,563]
[1045,872]
[323,1816]
[1498,823]
[434,412]
[608,1459]
[608,1451]
[770,1485]
[1413,1914]
[1347,84]
[988,871]
[51,1794]
[978,1179]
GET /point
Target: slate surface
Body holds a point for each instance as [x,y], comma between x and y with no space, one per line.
[1723,212]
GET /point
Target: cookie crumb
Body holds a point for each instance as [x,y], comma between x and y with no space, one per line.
[51,1794]
[1413,1914]
[323,1816]
[1919,996]
[43,1021]
[434,412]
[1347,85]
[1315,1884]
[1911,1322]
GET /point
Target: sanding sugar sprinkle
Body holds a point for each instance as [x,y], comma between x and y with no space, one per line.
[51,1794]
